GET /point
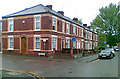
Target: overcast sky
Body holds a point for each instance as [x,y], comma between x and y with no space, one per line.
[82,9]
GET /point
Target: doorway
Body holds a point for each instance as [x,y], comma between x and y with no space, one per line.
[23,45]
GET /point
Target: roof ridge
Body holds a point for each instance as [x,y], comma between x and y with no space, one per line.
[24,10]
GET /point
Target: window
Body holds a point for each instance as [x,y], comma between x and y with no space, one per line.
[82,44]
[67,43]
[1,26]
[74,30]
[10,25]
[74,44]
[62,43]
[79,44]
[54,23]
[67,28]
[54,46]
[37,42]
[77,31]
[86,45]
[96,37]
[63,26]
[10,42]
[37,22]
[82,32]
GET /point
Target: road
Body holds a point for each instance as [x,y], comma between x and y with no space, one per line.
[82,67]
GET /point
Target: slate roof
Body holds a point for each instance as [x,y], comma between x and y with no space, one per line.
[39,9]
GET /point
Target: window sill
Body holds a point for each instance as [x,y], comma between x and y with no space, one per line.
[10,49]
[36,50]
[10,31]
[37,30]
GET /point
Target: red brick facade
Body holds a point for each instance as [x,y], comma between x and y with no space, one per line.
[24,26]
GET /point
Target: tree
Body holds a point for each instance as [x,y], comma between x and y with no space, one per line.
[107,23]
[80,21]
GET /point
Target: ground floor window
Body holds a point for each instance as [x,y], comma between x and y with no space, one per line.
[86,45]
[62,43]
[67,43]
[37,42]
[54,46]
[82,44]
[79,44]
[74,44]
[10,42]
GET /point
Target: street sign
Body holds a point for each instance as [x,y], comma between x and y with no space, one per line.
[104,41]
[74,39]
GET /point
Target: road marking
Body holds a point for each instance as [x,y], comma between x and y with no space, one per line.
[95,61]
[31,73]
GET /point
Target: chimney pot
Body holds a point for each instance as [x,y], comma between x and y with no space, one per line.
[49,6]
[85,25]
[61,12]
[75,19]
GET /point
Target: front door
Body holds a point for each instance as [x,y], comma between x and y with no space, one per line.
[23,45]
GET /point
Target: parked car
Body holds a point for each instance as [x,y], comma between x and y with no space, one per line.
[111,50]
[106,54]
[116,49]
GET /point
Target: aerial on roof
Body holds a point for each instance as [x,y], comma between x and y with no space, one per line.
[40,9]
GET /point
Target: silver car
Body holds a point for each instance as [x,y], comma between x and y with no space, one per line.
[106,54]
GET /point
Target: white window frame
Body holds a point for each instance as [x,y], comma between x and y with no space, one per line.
[82,32]
[10,23]
[63,44]
[54,23]
[74,44]
[1,26]
[68,40]
[63,27]
[9,46]
[82,44]
[68,28]
[37,36]
[77,31]
[55,42]
[74,30]
[39,21]
[77,44]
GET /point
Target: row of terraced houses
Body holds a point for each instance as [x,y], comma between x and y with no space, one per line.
[25,32]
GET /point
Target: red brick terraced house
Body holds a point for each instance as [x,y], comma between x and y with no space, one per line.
[24,32]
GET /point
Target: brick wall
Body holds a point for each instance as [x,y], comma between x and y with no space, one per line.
[46,22]
[19,25]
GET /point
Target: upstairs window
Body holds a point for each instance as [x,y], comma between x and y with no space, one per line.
[54,20]
[1,26]
[37,23]
[82,32]
[67,28]
[10,25]
[74,30]
[63,26]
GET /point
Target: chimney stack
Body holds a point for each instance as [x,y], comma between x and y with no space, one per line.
[61,12]
[49,6]
[75,19]
[85,25]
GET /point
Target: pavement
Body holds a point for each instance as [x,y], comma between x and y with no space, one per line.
[79,57]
